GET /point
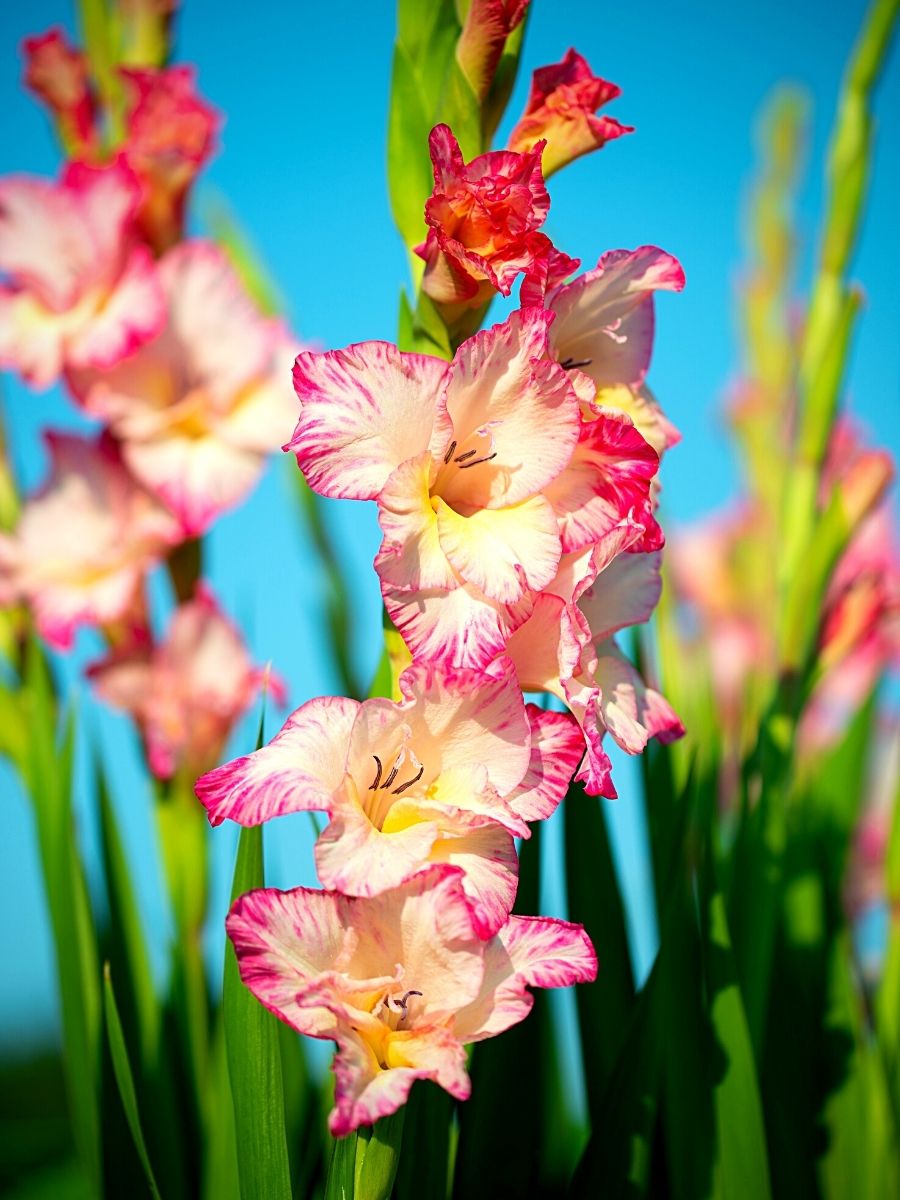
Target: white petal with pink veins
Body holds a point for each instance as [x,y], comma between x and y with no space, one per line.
[363,412]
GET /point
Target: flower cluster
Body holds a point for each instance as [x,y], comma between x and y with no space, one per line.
[154,336]
[515,493]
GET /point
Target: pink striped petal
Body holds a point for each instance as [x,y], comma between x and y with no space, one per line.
[363,412]
[300,769]
[356,858]
[557,746]
[463,717]
[607,480]
[487,856]
[527,951]
[632,712]
[457,627]
[366,1091]
[411,555]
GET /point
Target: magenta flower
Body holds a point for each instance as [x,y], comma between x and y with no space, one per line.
[58,74]
[451,774]
[79,292]
[170,135]
[84,541]
[483,218]
[476,501]
[186,693]
[560,110]
[487,25]
[401,982]
[199,408]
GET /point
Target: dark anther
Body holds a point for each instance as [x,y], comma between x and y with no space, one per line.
[404,786]
[478,461]
[570,364]
[393,775]
[373,786]
[449,453]
[462,457]
[401,1003]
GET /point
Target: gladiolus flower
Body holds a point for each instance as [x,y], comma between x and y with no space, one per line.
[482,217]
[476,501]
[198,409]
[401,982]
[451,774]
[487,26]
[170,136]
[560,110]
[84,540]
[186,693]
[57,73]
[79,293]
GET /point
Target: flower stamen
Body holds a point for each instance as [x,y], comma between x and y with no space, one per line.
[373,786]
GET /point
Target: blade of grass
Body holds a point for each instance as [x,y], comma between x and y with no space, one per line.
[125,1078]
[254,1059]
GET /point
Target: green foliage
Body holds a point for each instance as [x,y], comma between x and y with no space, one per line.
[254,1060]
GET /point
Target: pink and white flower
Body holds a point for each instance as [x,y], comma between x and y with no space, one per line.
[199,408]
[79,292]
[170,136]
[483,471]
[560,110]
[187,692]
[450,774]
[483,218]
[401,982]
[84,541]
[566,647]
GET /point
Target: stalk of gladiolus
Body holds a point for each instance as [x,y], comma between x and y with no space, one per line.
[834,303]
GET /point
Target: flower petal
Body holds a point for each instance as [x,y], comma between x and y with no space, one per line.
[364,411]
[502,551]
[527,951]
[505,394]
[604,319]
[607,480]
[301,768]
[624,593]
[557,746]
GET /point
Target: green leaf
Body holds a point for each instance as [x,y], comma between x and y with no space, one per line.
[410,179]
[125,1078]
[515,1135]
[617,1160]
[129,950]
[47,776]
[862,1148]
[254,1059]
[424,1163]
[594,900]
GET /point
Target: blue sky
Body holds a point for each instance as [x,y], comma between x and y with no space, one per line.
[304,90]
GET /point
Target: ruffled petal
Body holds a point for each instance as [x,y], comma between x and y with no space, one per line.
[364,411]
[607,480]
